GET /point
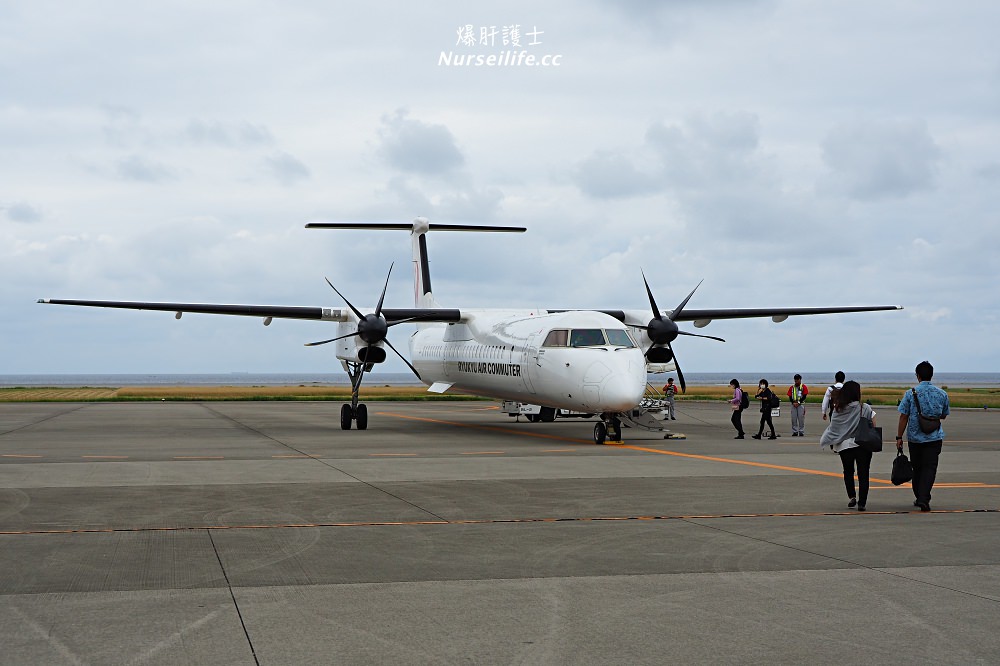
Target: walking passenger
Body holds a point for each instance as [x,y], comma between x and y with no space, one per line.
[921,413]
[739,402]
[848,410]
[764,394]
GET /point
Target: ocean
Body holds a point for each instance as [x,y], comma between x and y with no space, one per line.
[824,378]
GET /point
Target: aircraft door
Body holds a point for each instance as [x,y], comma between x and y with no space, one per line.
[529,361]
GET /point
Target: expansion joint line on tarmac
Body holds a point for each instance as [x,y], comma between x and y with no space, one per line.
[47,418]
[232,594]
[490,521]
[320,461]
[694,521]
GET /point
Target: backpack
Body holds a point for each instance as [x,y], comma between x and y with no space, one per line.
[744,400]
[775,401]
[834,396]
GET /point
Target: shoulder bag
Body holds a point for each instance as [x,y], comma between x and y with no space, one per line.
[928,424]
[867,435]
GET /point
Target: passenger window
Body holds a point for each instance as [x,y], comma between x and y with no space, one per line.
[586,337]
[556,338]
[618,337]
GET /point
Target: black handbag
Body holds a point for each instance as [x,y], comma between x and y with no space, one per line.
[928,424]
[867,435]
[902,469]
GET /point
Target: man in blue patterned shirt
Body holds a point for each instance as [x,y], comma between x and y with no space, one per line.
[925,447]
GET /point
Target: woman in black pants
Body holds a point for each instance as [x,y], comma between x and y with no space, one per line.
[764,395]
[737,407]
[839,436]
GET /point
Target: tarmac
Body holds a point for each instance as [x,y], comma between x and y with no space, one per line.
[259,532]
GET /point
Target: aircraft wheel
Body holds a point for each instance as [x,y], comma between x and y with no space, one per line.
[362,417]
[345,417]
[600,432]
[547,415]
[531,417]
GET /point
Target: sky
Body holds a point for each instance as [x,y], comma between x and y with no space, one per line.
[788,153]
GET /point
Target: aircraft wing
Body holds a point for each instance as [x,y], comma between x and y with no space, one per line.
[268,311]
[692,314]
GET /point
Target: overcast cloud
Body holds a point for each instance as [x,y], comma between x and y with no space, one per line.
[791,153]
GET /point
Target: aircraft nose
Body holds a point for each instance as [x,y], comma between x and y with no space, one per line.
[622,392]
[615,385]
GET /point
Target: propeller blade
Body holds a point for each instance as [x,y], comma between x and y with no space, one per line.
[652,301]
[409,365]
[378,308]
[356,311]
[401,321]
[677,367]
[323,342]
[677,311]
[699,335]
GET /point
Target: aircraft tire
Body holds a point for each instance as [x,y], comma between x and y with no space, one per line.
[547,415]
[600,432]
[345,417]
[361,416]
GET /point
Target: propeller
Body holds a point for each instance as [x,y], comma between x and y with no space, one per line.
[372,328]
[663,330]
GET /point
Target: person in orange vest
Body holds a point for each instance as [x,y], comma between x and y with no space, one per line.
[797,394]
[668,393]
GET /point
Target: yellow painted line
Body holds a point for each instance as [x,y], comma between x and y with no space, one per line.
[392,454]
[801,470]
[906,486]
[483,453]
[558,450]
[107,457]
[19,455]
[293,456]
[199,458]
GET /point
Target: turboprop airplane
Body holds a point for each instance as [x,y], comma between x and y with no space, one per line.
[591,361]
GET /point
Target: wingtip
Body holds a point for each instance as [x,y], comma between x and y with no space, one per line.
[43,300]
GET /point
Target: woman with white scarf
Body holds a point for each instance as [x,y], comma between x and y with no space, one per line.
[839,436]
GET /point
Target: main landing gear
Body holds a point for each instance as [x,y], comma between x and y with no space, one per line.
[355,412]
[608,428]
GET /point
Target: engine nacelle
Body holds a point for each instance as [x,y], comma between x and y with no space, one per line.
[659,355]
[355,350]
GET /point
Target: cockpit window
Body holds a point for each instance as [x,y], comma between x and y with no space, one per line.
[619,337]
[556,338]
[586,337]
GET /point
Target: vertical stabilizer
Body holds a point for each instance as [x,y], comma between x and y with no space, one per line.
[423,294]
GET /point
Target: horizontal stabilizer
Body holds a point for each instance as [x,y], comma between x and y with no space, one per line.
[409,227]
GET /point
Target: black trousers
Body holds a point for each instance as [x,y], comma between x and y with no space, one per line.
[737,420]
[924,458]
[765,417]
[862,458]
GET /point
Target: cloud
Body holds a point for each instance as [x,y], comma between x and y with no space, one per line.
[227,135]
[609,175]
[286,168]
[141,169]
[876,160]
[22,212]
[417,147]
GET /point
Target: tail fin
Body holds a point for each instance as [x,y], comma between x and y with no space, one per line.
[423,296]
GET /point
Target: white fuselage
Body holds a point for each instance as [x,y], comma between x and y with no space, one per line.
[504,354]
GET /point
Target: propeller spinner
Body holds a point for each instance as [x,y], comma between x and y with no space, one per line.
[372,328]
[663,330]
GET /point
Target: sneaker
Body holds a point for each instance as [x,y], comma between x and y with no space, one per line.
[924,506]
[773,437]
[739,437]
[861,507]
[755,436]
[853,503]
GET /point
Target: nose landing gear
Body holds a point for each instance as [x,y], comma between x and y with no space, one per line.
[608,428]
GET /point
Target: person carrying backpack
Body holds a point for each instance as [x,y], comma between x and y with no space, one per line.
[828,397]
[766,397]
[739,402]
